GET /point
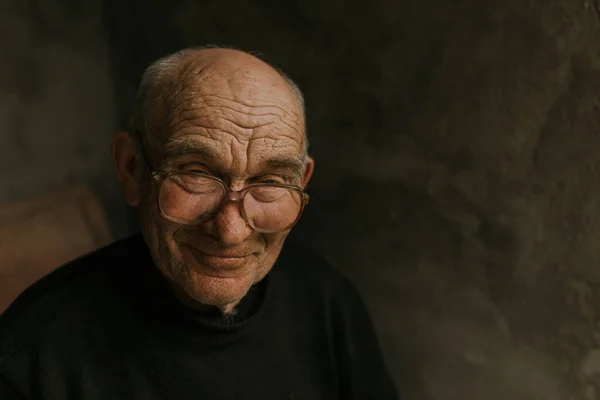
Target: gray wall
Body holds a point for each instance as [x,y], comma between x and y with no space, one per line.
[457,157]
[56,102]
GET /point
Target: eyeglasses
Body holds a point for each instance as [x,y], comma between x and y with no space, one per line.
[193,198]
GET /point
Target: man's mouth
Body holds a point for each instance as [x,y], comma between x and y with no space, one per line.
[218,261]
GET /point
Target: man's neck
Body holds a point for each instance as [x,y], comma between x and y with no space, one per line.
[227,309]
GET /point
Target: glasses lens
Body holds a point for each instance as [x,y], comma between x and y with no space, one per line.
[190,198]
[272,208]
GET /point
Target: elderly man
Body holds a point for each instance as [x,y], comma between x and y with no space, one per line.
[207,303]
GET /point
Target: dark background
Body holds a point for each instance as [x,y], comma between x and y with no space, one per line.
[456,147]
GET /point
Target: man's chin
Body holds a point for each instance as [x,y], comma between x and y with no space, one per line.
[216,291]
[215,281]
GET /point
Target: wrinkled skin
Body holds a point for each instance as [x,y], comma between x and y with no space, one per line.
[242,113]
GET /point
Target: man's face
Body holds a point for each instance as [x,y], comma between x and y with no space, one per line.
[230,127]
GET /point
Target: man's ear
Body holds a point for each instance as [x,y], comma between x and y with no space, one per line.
[309,167]
[126,165]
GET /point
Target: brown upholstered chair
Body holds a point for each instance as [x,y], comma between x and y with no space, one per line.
[38,235]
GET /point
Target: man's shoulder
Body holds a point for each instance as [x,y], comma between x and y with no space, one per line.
[68,285]
[307,262]
[308,268]
[64,310]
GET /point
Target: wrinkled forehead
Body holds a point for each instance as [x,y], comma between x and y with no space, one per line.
[245,103]
[236,123]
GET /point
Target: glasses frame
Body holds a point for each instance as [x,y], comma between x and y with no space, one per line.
[160,176]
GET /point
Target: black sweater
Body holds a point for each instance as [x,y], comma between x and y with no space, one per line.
[106,327]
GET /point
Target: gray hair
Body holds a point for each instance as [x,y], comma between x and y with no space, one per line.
[154,87]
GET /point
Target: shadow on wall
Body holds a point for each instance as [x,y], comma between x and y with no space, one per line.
[56,101]
[457,172]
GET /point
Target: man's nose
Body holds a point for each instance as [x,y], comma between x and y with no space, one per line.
[228,226]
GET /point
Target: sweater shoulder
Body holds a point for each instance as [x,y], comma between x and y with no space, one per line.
[65,287]
[306,267]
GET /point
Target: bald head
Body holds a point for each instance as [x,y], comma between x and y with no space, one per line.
[196,74]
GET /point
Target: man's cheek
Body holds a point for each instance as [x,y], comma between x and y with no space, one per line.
[180,234]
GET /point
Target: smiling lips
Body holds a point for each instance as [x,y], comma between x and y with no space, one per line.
[225,256]
[220,261]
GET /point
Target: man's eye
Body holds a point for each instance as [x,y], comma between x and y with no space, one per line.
[272,180]
[194,168]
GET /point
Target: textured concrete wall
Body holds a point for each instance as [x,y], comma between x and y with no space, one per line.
[457,161]
[56,101]
[457,179]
